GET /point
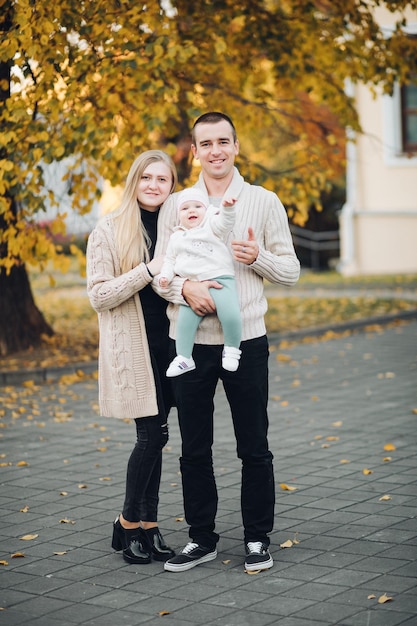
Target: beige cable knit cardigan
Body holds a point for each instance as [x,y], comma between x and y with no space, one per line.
[277,262]
[126,381]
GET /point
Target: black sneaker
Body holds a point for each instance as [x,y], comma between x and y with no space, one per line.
[193,554]
[257,556]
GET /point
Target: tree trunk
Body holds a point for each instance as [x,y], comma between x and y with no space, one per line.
[21,323]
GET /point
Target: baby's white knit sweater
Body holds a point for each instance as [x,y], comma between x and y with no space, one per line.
[201,253]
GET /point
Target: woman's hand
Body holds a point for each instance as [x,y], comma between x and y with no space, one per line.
[197,295]
[155,265]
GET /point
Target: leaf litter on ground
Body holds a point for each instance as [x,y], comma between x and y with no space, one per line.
[67,309]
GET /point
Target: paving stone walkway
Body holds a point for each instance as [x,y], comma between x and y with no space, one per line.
[343,430]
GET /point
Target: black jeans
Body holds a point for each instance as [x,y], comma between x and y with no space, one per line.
[145,462]
[247,394]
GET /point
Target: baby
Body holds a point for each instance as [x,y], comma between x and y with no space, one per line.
[197,251]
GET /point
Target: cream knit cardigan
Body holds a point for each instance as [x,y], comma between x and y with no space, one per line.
[126,381]
[277,262]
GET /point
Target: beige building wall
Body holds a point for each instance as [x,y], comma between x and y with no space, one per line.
[378,224]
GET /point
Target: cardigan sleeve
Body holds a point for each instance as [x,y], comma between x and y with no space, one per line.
[106,287]
[277,260]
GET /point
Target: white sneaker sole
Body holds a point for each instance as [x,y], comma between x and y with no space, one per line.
[255,567]
[182,567]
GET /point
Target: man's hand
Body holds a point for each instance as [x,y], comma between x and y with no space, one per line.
[246,251]
[197,295]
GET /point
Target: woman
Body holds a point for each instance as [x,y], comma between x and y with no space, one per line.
[133,345]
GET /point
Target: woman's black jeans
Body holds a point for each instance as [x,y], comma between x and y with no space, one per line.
[145,462]
[247,394]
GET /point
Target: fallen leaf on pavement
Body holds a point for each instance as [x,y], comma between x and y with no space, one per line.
[384,598]
[285,487]
[283,357]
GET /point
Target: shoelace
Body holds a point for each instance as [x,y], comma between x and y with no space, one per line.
[189,547]
[255,547]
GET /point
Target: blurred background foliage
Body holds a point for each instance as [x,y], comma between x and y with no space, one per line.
[92,84]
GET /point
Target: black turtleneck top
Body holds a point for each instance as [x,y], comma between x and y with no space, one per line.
[154,307]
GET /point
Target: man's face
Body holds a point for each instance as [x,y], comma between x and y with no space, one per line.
[215,148]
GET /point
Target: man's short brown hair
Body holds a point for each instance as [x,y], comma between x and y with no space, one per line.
[212,118]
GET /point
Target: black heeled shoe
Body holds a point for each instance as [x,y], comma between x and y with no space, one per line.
[132,542]
[156,543]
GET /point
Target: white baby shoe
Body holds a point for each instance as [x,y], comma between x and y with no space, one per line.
[230,358]
[180,365]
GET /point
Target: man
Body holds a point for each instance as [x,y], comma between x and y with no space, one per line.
[262,248]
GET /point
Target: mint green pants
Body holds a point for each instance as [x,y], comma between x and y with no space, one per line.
[228,312]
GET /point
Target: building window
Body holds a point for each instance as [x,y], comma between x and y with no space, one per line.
[409,117]
[400,118]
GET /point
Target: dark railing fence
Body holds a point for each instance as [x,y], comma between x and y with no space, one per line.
[316,243]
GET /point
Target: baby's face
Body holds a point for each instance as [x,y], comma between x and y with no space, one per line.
[191,213]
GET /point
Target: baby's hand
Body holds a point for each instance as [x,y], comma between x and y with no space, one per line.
[229,201]
[163,282]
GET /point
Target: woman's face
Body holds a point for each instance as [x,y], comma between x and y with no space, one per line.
[154,186]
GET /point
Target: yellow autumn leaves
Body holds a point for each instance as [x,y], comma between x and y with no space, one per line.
[365,471]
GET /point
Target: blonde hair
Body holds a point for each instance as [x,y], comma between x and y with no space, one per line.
[131,237]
